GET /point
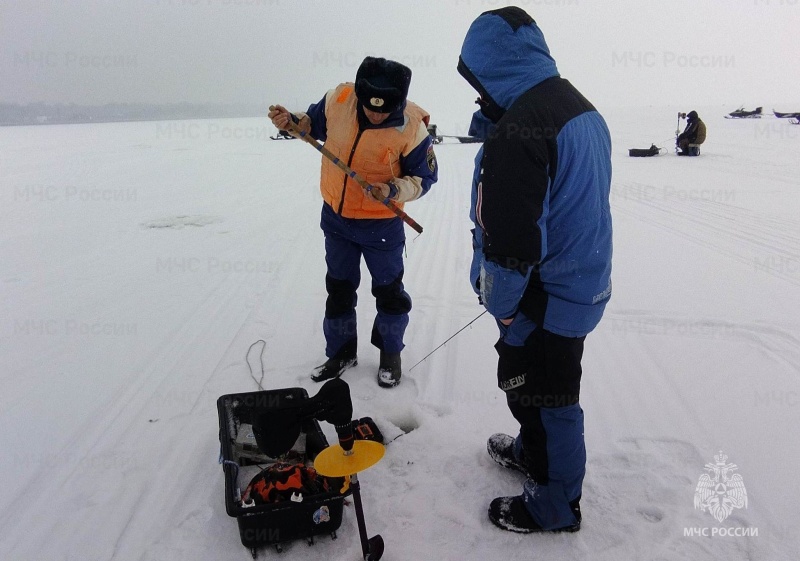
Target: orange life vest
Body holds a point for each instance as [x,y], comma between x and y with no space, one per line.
[374,154]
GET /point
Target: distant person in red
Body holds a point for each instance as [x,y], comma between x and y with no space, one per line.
[384,138]
[692,137]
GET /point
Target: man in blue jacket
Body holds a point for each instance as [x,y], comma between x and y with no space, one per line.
[542,256]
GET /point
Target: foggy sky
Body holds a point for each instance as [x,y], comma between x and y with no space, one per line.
[618,53]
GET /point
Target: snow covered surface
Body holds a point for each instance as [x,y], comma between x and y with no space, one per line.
[140,262]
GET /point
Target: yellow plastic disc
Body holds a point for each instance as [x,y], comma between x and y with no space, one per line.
[332,462]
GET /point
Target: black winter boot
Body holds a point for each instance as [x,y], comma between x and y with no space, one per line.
[389,371]
[501,449]
[510,513]
[345,358]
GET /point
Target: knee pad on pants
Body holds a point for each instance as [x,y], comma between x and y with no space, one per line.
[342,297]
[391,298]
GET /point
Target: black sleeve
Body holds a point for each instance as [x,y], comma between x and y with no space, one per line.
[514,180]
[692,133]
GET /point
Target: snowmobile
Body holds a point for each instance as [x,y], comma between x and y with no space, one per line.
[436,138]
[462,139]
[786,115]
[741,113]
[282,135]
[439,138]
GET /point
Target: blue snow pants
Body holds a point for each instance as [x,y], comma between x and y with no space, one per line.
[381,243]
[540,372]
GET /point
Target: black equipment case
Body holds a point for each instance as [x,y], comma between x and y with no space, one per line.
[644,152]
[272,523]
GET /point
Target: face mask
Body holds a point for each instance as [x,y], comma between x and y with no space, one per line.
[490,110]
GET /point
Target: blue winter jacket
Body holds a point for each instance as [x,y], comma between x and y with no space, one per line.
[540,201]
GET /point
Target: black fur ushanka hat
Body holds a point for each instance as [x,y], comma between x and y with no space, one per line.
[381,84]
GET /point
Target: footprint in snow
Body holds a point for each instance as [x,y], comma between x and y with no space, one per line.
[179,222]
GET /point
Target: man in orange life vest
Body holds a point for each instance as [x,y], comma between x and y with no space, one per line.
[371,126]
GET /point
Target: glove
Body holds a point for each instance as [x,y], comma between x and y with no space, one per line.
[401,189]
[382,191]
